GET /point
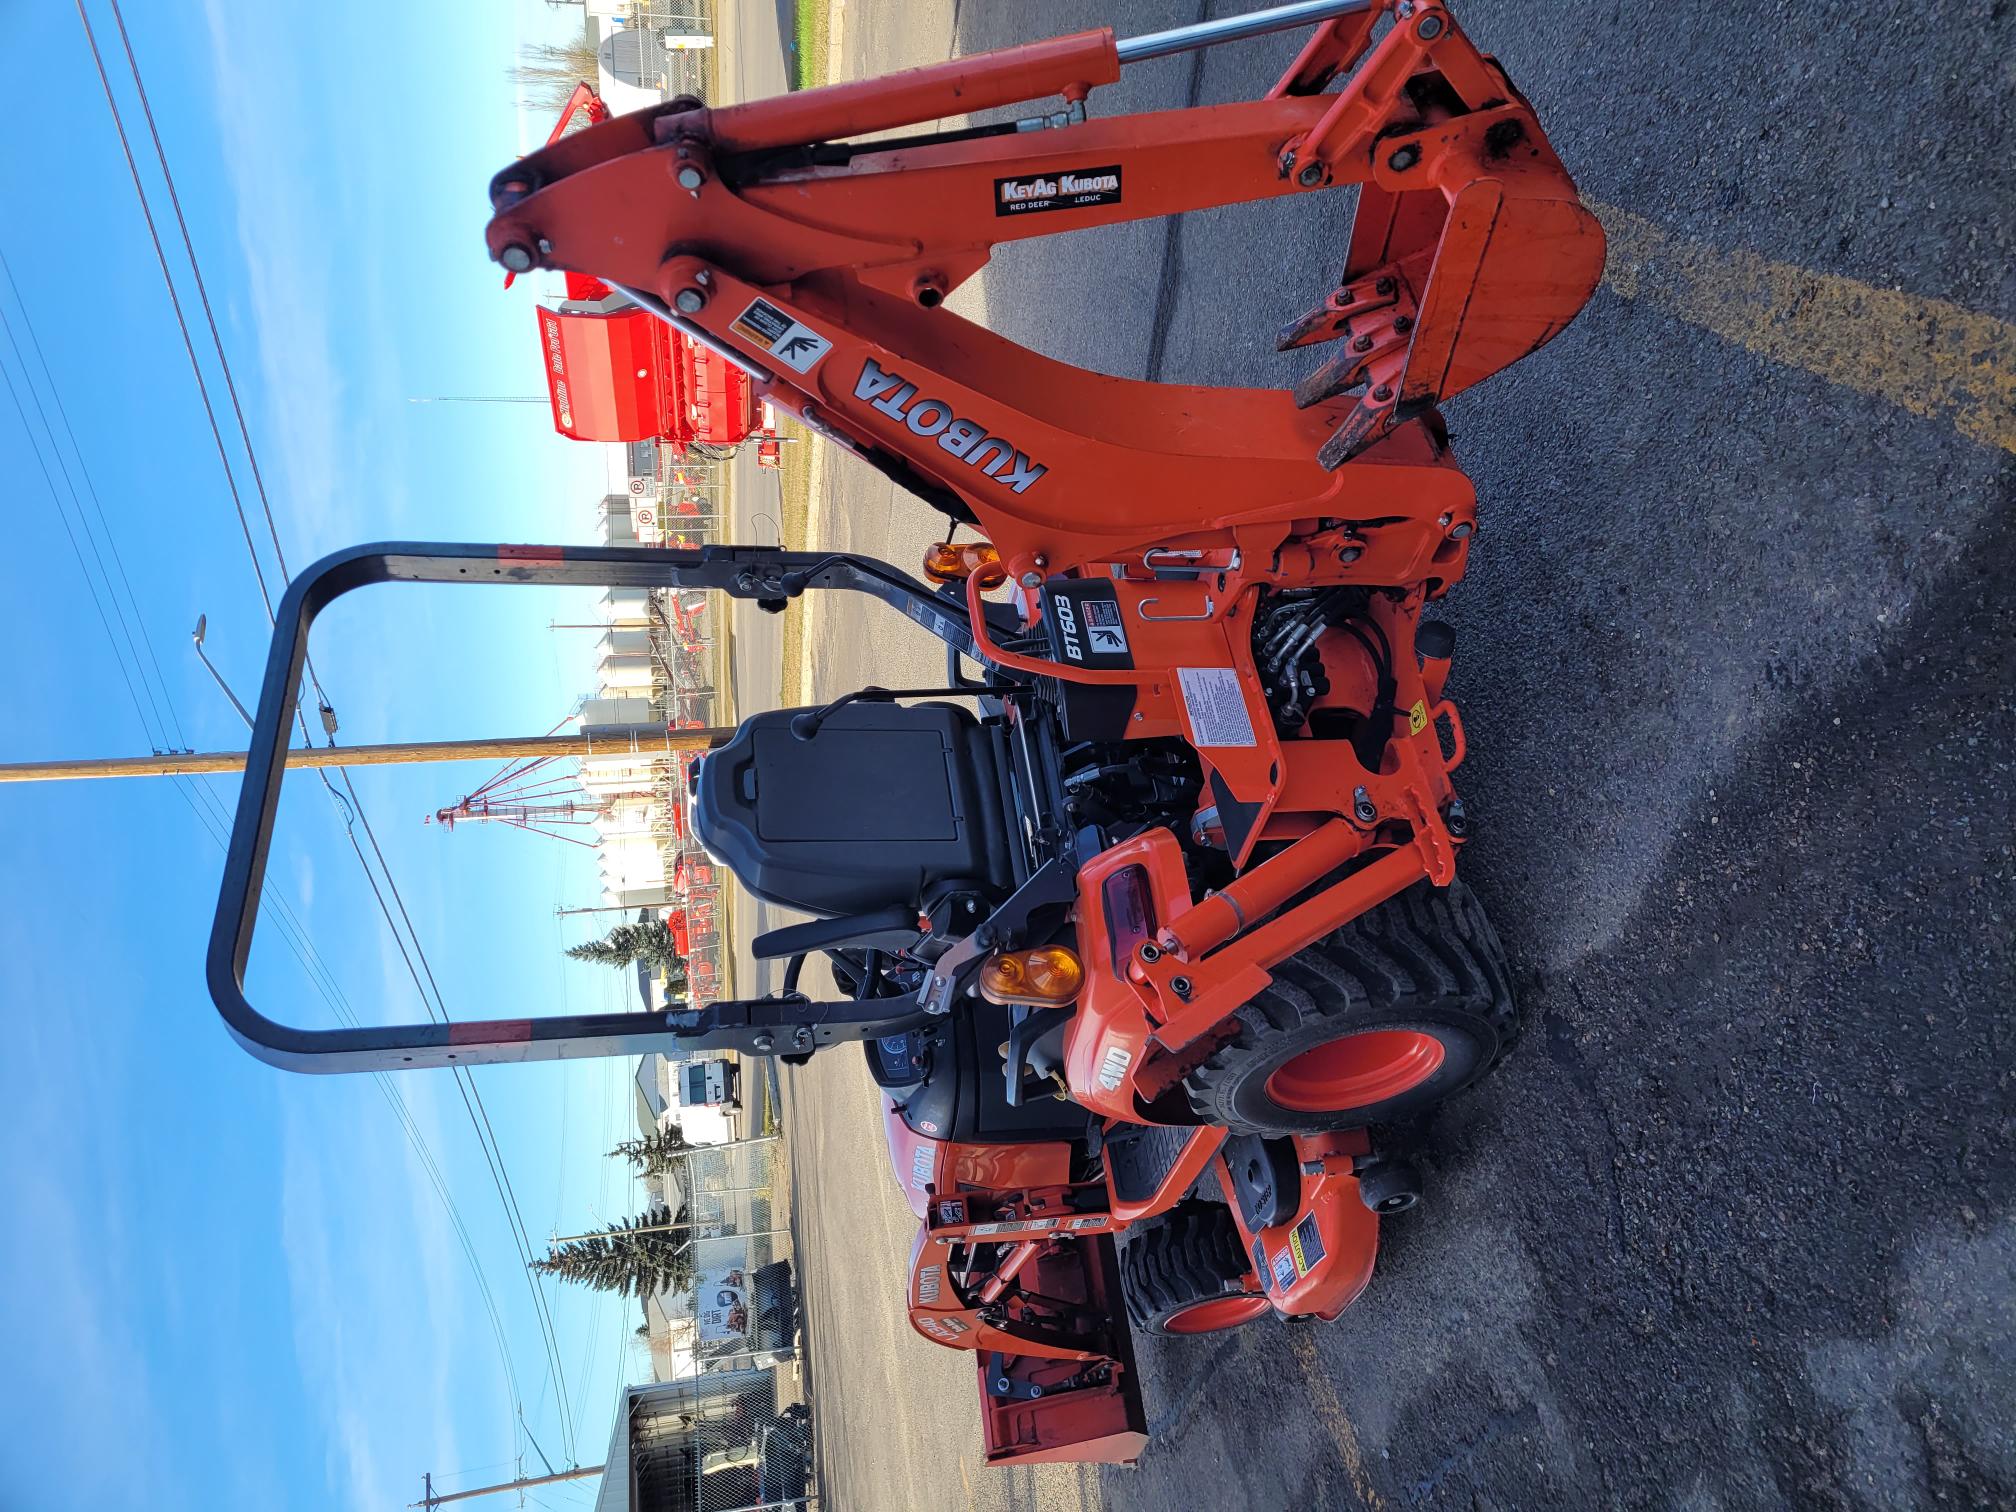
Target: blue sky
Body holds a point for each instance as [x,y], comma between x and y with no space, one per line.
[227,1286]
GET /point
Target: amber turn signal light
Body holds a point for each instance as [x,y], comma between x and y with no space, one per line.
[946,563]
[1042,977]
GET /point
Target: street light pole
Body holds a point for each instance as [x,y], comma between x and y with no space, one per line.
[202,624]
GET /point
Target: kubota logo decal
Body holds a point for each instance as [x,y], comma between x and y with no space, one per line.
[965,439]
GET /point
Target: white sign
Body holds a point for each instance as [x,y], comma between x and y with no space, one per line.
[1216,706]
[721,1308]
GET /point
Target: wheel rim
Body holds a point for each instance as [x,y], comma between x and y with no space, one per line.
[1356,1071]
[1219,1312]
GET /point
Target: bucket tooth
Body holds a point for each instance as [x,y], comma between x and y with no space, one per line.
[1320,324]
[1368,420]
[1378,354]
[1331,379]
[1332,318]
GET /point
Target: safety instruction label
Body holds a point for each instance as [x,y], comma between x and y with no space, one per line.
[1284,1271]
[1216,705]
[791,342]
[1417,717]
[1307,1245]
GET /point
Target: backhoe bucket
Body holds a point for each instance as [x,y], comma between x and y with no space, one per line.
[1441,292]
[1470,248]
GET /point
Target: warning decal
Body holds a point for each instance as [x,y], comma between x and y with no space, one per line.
[1417,717]
[1284,1271]
[1084,623]
[791,342]
[1216,705]
[1307,1245]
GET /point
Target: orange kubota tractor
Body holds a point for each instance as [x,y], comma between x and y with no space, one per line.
[1157,897]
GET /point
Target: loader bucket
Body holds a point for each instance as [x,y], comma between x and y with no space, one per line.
[1035,1410]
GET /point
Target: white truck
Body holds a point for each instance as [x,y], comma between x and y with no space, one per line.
[707,1083]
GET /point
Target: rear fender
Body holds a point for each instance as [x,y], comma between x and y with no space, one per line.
[1317,1263]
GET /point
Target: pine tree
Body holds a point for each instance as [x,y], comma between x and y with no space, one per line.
[624,1260]
[648,941]
[657,1154]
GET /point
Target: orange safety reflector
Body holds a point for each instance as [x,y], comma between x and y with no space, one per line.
[1047,975]
[946,563]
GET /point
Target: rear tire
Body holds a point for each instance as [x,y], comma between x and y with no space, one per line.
[1406,1005]
[1184,1272]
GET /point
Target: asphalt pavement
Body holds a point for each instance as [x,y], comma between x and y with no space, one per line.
[1733,1225]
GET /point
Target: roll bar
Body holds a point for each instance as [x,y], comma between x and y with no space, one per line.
[786,1023]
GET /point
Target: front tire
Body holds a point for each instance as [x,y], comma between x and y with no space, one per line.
[1406,1005]
[1184,1272]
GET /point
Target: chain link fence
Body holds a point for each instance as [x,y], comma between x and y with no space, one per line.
[727,1426]
[675,69]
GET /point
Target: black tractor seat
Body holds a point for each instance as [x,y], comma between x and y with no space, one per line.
[883,808]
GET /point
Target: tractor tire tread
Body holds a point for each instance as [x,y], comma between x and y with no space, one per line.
[1191,1253]
[1427,948]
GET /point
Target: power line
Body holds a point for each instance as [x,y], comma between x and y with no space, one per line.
[196,270]
[211,815]
[206,807]
[98,603]
[48,385]
[175,299]
[353,807]
[479,1115]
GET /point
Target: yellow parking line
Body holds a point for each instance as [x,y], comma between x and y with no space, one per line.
[1330,1412]
[1928,356]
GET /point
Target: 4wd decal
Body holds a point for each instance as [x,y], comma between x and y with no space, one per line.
[1113,1067]
[967,440]
[1071,190]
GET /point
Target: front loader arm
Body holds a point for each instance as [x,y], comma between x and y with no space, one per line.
[821,264]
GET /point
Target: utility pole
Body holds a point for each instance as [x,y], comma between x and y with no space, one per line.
[609,740]
[442,1498]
